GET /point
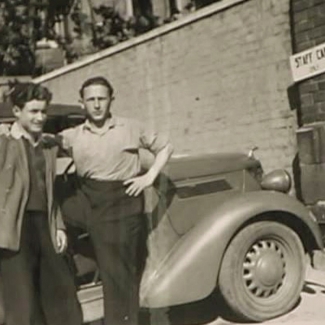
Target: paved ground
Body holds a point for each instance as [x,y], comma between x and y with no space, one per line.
[310,310]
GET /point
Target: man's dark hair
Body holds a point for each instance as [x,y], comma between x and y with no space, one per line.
[96,81]
[23,92]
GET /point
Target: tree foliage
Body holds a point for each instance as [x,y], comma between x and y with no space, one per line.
[18,35]
[22,24]
[105,28]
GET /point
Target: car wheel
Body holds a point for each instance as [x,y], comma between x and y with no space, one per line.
[263,271]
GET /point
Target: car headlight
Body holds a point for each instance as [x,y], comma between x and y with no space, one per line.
[277,180]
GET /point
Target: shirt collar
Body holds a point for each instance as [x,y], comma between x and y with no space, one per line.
[112,122]
[18,132]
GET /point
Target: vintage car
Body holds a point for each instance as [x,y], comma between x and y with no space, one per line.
[217,224]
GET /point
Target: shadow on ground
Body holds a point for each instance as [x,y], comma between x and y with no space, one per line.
[197,313]
[308,287]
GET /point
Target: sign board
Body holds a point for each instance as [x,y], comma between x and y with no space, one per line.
[308,63]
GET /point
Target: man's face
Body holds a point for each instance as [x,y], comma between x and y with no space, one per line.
[32,116]
[97,101]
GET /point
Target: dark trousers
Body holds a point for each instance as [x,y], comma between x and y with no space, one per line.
[38,287]
[118,230]
[120,248]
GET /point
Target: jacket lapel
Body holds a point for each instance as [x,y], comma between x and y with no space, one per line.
[48,175]
[17,133]
[22,165]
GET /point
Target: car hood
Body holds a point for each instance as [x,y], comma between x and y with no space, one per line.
[184,167]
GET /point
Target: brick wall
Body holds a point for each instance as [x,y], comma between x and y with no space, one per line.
[308,30]
[215,80]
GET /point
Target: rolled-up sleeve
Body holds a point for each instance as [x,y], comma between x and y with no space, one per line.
[152,140]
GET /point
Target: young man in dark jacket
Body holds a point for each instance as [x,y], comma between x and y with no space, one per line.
[38,288]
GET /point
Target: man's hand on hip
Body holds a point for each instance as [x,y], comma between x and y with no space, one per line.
[137,184]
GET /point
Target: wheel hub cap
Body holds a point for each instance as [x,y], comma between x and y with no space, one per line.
[264,268]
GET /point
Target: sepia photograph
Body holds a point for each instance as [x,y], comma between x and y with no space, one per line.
[162,162]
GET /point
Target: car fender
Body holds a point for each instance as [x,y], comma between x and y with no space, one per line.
[190,270]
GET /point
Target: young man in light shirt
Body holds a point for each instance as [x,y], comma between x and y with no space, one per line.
[109,199]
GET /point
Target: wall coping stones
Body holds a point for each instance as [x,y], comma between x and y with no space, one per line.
[157,32]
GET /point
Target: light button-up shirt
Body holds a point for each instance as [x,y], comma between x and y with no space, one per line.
[113,152]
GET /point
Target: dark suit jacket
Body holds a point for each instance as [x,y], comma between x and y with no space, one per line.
[14,188]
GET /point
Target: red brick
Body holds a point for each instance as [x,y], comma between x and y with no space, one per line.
[319,96]
[316,32]
[319,21]
[320,40]
[304,45]
[319,78]
[320,107]
[306,99]
[301,16]
[303,36]
[308,118]
[316,11]
[309,109]
[320,117]
[304,25]
[298,5]
[316,2]
[311,143]
[309,86]
[312,182]
[321,85]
